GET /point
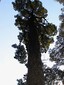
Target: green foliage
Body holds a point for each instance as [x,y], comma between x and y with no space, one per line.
[28,9]
[51,29]
[20,53]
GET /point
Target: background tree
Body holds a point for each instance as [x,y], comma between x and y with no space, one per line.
[34,37]
[57,53]
[60,1]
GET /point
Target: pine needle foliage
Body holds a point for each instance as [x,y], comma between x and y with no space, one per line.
[32,12]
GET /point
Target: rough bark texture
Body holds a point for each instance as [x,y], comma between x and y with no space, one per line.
[35,72]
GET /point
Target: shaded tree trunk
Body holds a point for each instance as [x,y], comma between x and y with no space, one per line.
[35,71]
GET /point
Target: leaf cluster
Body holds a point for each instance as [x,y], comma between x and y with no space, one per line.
[53,74]
[20,53]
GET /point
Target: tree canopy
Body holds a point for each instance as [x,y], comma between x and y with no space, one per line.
[33,10]
[57,53]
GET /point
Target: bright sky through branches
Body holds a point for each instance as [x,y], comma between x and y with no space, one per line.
[10,69]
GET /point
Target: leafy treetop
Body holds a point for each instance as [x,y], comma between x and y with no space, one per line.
[32,12]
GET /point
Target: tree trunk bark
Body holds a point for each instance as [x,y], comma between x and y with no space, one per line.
[35,74]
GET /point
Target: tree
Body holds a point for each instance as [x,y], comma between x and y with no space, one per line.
[36,34]
[60,1]
[57,53]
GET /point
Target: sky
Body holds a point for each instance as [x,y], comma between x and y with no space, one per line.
[11,69]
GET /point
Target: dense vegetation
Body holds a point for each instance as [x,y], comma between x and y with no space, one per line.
[57,53]
[35,36]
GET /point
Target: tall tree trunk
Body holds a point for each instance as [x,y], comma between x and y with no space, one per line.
[35,71]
